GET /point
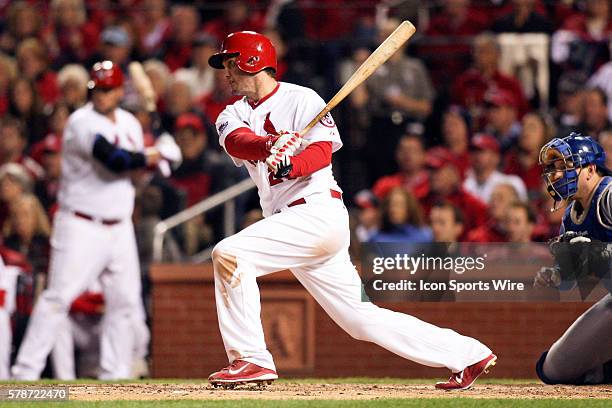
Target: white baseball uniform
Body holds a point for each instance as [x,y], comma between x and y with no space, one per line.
[92,235]
[311,240]
[8,284]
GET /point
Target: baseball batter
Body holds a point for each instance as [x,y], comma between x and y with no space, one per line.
[305,230]
[575,170]
[93,232]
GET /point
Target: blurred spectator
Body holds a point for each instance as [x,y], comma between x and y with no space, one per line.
[523,19]
[176,49]
[520,222]
[494,230]
[153,26]
[446,222]
[582,43]
[502,118]
[449,35]
[69,36]
[49,156]
[605,140]
[116,46]
[26,106]
[411,175]
[522,160]
[33,64]
[368,217]
[221,96]
[160,77]
[287,18]
[72,79]
[13,143]
[595,110]
[14,182]
[445,185]
[27,231]
[8,73]
[199,75]
[484,175]
[22,21]
[397,93]
[402,219]
[569,112]
[179,100]
[602,79]
[548,221]
[456,135]
[469,88]
[237,16]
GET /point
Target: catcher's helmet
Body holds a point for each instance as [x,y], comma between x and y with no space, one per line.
[562,158]
[254,52]
[105,75]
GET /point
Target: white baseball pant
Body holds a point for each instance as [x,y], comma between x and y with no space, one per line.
[82,250]
[312,241]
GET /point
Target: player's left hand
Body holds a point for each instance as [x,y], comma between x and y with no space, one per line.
[281,166]
[169,150]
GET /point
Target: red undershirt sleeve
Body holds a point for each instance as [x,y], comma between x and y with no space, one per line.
[315,157]
[245,144]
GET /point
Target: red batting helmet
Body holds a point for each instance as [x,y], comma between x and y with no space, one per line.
[254,52]
[105,75]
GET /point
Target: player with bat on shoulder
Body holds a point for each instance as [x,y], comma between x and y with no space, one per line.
[305,228]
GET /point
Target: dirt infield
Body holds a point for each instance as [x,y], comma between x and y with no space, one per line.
[161,391]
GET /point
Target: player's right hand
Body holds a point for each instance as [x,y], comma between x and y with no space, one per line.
[547,277]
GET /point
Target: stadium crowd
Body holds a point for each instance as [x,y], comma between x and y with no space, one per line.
[440,144]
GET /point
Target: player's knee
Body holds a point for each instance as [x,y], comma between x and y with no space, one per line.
[224,260]
[540,370]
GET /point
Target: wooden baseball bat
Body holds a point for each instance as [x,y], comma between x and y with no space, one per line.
[381,54]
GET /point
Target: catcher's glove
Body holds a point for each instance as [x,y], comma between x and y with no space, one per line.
[578,256]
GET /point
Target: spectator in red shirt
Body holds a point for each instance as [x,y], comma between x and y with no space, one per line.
[13,144]
[72,80]
[32,61]
[184,24]
[445,185]
[450,33]
[494,230]
[26,106]
[22,21]
[456,135]
[469,88]
[411,175]
[8,72]
[153,26]
[522,160]
[69,36]
[237,16]
[502,118]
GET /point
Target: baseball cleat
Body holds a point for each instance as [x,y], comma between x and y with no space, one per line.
[465,379]
[242,372]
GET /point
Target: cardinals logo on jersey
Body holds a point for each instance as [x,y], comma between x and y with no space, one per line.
[269,126]
[327,120]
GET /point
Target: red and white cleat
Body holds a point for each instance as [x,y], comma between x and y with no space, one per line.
[242,372]
[465,379]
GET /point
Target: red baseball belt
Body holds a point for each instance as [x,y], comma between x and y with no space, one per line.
[299,201]
[91,218]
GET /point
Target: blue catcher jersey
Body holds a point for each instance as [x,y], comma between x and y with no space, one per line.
[592,222]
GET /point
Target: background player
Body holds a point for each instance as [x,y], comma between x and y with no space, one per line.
[305,229]
[574,169]
[93,232]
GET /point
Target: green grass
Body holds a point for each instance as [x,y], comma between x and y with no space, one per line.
[382,403]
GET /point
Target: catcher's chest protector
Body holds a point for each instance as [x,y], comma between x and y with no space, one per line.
[591,224]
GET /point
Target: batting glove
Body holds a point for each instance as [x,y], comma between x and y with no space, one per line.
[281,166]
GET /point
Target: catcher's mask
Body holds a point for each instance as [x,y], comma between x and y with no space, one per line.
[562,159]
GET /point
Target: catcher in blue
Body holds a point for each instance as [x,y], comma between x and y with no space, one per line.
[574,168]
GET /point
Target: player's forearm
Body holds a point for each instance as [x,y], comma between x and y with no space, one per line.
[315,157]
[245,144]
[117,159]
